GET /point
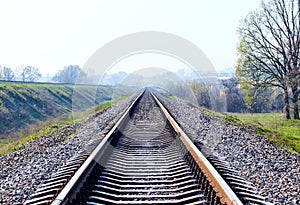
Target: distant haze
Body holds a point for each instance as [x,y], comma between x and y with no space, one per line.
[53,34]
[150,72]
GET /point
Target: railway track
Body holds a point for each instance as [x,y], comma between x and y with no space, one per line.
[146,159]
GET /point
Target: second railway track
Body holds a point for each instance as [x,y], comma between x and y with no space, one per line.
[147,159]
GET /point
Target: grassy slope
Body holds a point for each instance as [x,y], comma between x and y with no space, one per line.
[14,144]
[285,133]
[27,106]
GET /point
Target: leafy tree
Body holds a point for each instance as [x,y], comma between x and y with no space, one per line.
[261,99]
[277,102]
[180,90]
[195,92]
[201,91]
[30,73]
[270,47]
[70,74]
[234,97]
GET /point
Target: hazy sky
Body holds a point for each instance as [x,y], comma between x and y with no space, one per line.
[55,33]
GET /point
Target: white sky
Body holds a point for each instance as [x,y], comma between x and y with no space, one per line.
[51,34]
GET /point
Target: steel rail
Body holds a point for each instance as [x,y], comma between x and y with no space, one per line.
[222,189]
[64,195]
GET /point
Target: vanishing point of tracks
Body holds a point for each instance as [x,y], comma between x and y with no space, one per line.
[145,159]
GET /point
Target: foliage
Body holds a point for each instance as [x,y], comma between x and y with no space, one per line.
[234,97]
[208,95]
[201,91]
[180,90]
[231,119]
[70,74]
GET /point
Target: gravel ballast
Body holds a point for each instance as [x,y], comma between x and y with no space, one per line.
[273,171]
[24,170]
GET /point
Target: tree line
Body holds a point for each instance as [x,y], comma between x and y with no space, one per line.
[24,73]
[226,95]
[69,74]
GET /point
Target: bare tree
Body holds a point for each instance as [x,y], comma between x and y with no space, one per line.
[269,49]
[8,73]
[1,73]
[30,73]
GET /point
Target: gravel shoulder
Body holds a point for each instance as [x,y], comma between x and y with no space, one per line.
[273,171]
[24,170]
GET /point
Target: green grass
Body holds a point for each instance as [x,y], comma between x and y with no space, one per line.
[23,105]
[109,103]
[15,144]
[231,119]
[170,97]
[211,113]
[11,145]
[285,133]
